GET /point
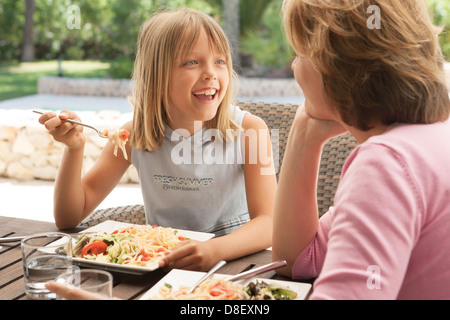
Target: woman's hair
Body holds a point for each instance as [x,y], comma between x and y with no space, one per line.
[393,73]
[163,39]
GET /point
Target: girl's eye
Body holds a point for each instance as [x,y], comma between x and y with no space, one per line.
[221,62]
[190,63]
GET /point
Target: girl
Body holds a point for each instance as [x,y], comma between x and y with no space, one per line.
[387,235]
[183,91]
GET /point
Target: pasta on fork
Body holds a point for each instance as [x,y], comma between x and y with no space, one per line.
[118,138]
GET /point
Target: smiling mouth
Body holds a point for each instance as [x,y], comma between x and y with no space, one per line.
[206,95]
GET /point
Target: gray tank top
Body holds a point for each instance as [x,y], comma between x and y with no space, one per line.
[194,183]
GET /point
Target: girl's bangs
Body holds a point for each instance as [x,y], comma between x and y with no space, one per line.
[217,41]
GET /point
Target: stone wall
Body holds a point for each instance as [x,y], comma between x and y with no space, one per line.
[84,87]
[247,87]
[28,151]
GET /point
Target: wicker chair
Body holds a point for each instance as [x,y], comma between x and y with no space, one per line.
[278,117]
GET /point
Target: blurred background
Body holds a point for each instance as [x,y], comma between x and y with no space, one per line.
[34,34]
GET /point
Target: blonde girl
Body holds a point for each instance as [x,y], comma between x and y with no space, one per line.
[182,95]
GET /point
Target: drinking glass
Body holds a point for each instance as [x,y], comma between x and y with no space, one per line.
[92,280]
[45,256]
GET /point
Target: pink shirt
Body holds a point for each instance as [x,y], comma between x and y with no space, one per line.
[388,234]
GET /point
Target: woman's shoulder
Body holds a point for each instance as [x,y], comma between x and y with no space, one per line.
[413,146]
[414,139]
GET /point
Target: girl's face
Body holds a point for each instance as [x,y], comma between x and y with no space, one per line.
[198,85]
[317,104]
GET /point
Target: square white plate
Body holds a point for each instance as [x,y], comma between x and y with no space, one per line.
[177,278]
[110,226]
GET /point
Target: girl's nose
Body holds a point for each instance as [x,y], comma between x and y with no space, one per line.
[209,76]
[209,73]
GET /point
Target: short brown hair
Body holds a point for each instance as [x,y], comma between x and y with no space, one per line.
[391,74]
[162,39]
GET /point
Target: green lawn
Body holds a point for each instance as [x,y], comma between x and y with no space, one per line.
[20,79]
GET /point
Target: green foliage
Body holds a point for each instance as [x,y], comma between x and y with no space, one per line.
[267,44]
[251,13]
[121,68]
[108,28]
[440,9]
[11,28]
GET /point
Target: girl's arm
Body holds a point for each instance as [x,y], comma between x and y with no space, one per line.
[75,197]
[260,186]
[104,176]
[296,212]
[253,236]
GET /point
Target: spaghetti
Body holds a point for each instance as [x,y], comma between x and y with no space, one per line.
[135,245]
[220,289]
[211,289]
[118,138]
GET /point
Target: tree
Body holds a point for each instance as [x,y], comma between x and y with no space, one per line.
[240,18]
[231,17]
[267,44]
[252,12]
[28,37]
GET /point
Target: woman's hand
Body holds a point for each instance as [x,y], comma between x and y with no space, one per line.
[316,130]
[62,131]
[190,255]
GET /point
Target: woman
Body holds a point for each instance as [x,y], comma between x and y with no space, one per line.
[387,235]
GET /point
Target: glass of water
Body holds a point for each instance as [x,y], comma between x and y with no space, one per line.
[45,256]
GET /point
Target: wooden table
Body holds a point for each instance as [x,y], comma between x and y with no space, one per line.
[126,286]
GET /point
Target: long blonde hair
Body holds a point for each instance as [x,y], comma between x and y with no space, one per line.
[162,40]
[389,74]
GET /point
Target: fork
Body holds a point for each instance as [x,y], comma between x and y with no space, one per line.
[81,124]
[207,275]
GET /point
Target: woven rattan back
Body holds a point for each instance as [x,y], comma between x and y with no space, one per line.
[278,118]
[334,154]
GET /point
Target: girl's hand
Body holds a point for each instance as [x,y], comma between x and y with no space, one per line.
[190,255]
[65,132]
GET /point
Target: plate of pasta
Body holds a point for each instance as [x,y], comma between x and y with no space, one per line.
[176,284]
[130,248]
